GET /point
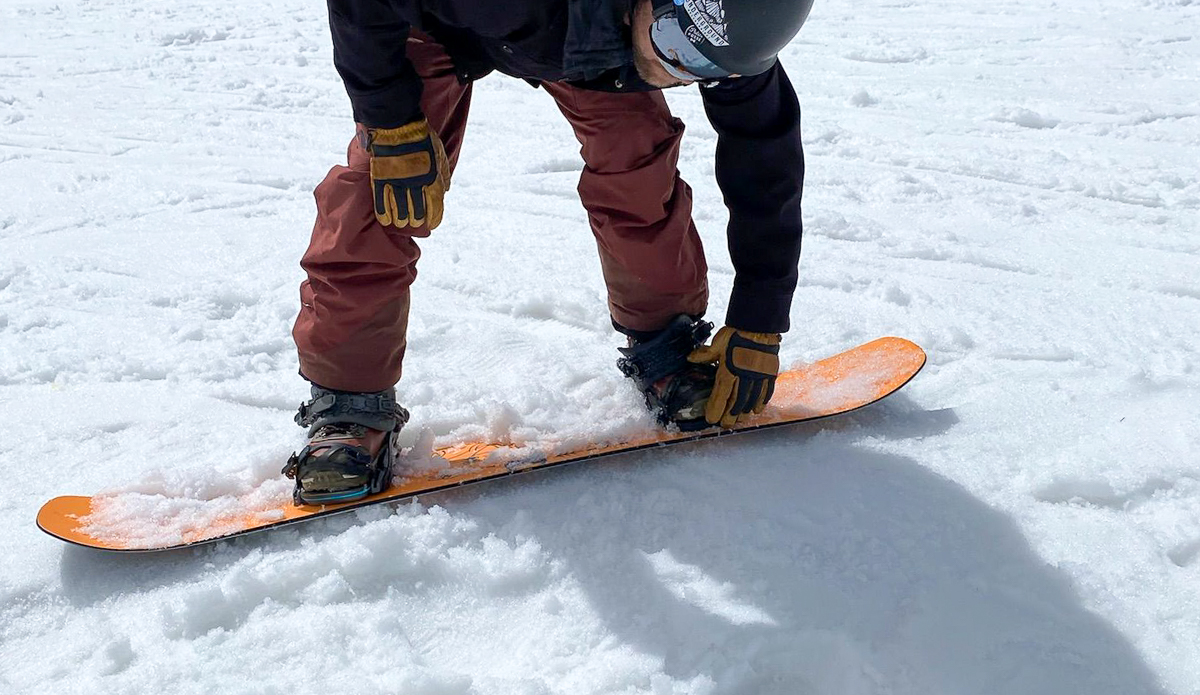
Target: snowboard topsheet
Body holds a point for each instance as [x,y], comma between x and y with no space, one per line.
[838,384]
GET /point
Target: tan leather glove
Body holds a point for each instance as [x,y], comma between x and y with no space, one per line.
[409,174]
[747,364]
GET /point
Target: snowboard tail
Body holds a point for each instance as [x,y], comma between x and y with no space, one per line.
[839,384]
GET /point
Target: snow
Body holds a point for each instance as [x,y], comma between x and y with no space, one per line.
[1013,185]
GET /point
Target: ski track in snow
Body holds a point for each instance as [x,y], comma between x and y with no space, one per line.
[1012,185]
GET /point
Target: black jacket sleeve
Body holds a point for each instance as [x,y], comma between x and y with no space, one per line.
[368,52]
[760,169]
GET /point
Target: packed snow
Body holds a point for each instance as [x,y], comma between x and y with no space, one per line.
[1013,185]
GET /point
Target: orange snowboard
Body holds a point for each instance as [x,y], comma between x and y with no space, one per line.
[838,384]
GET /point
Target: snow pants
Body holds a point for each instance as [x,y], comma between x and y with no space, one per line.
[354,305]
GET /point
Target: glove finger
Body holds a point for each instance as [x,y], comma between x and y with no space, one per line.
[392,211]
[766,398]
[718,400]
[744,400]
[755,403]
[400,199]
[705,354]
[416,200]
[433,205]
[381,211]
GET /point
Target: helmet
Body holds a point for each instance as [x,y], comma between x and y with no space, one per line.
[742,37]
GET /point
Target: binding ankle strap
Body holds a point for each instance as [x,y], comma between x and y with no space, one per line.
[377,410]
[666,353]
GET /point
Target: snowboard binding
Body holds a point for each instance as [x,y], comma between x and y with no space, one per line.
[676,390]
[351,449]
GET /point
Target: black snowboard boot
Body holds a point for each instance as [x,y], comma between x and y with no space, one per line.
[351,446]
[676,390]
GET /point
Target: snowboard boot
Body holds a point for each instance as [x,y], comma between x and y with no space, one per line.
[351,446]
[676,390]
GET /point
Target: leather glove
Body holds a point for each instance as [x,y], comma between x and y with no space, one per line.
[747,364]
[409,174]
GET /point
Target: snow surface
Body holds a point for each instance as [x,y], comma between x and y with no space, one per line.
[1013,185]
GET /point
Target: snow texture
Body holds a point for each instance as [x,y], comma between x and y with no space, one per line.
[1013,185]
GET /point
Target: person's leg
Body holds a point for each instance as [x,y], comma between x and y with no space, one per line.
[354,305]
[638,206]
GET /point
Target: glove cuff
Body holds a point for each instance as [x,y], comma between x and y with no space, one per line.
[765,338]
[411,132]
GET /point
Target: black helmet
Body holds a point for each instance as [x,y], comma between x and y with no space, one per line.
[741,36]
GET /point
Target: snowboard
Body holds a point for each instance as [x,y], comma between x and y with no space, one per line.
[835,385]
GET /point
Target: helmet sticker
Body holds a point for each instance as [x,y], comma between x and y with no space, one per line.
[708,16]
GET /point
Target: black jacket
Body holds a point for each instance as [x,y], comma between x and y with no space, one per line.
[759,160]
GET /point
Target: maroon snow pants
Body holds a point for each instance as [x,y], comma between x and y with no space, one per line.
[354,305]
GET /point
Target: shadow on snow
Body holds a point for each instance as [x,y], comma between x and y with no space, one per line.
[789,561]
